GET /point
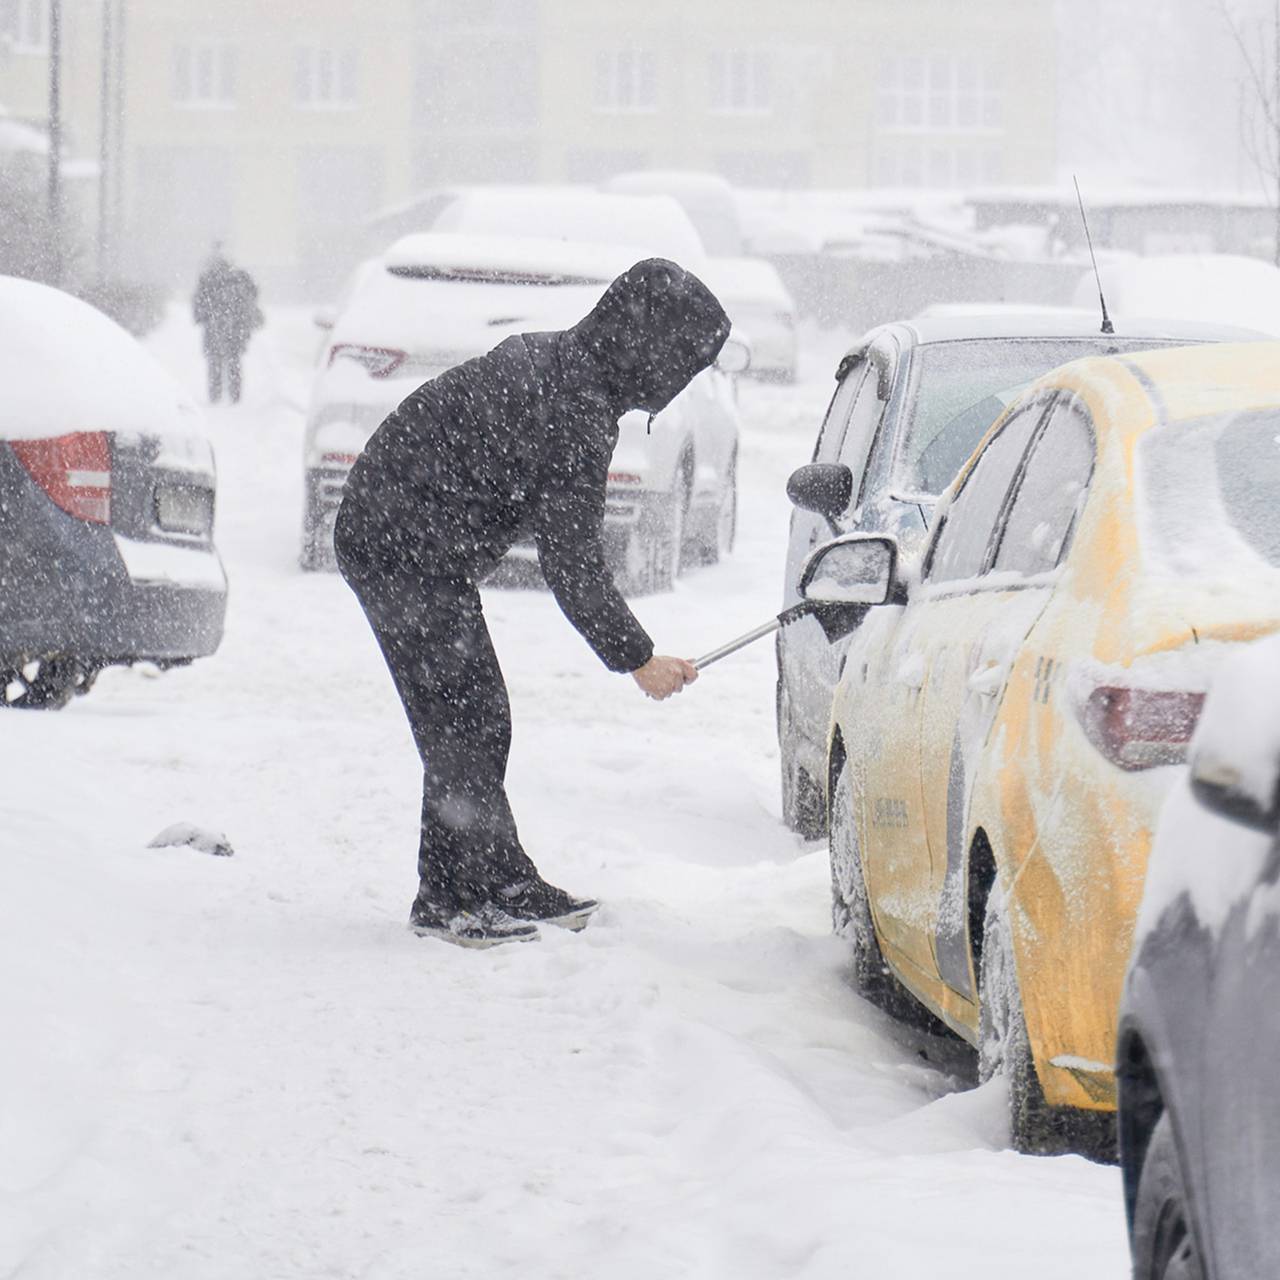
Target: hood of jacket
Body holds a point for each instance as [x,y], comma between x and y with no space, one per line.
[654,330]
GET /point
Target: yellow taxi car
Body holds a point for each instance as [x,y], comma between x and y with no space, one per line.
[1006,727]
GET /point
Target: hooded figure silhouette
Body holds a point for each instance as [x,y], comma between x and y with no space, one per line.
[513,442]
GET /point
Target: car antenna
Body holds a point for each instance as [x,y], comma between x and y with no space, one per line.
[1107,326]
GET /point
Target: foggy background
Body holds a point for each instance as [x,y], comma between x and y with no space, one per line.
[922,135]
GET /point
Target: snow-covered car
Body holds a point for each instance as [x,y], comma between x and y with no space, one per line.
[707,198]
[435,300]
[1214,288]
[762,310]
[912,400]
[646,226]
[106,504]
[1199,1034]
[1003,732]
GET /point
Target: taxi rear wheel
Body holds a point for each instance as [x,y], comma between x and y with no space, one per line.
[1004,1049]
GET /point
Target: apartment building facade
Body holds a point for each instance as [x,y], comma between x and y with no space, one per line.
[280,128]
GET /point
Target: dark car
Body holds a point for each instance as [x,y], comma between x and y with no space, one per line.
[911,403]
[106,504]
[1199,1035]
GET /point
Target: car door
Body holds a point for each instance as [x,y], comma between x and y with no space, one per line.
[1241,1049]
[813,663]
[1031,538]
[897,864]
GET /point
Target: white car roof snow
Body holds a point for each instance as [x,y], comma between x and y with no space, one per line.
[648,226]
[507,255]
[67,367]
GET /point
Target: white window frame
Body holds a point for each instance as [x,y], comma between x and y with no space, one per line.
[626,81]
[206,75]
[932,92]
[326,78]
[26,26]
[742,82]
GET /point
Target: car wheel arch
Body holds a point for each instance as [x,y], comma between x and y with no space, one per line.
[980,878]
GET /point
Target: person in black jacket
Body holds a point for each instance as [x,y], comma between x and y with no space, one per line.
[225,306]
[514,441]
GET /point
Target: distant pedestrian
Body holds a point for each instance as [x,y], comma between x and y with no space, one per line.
[226,307]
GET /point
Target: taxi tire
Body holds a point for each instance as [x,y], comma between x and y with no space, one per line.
[1164,1241]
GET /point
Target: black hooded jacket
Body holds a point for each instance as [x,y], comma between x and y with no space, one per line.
[519,440]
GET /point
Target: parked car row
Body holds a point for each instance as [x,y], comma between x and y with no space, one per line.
[1010,714]
[107,493]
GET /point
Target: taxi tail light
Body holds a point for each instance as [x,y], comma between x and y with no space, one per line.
[73,470]
[1141,728]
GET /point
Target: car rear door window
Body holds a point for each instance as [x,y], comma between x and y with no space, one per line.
[1050,494]
[962,543]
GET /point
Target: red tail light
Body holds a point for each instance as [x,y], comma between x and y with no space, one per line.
[74,470]
[380,362]
[339,459]
[1141,728]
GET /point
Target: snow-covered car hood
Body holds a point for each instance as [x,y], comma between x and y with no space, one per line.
[67,367]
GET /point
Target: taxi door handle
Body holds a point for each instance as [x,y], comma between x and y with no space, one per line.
[988,680]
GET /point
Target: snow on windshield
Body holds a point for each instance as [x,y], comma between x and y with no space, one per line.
[1207,491]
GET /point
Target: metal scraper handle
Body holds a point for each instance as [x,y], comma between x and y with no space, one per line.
[750,637]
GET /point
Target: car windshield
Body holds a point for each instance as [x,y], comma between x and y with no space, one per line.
[958,389]
[1207,492]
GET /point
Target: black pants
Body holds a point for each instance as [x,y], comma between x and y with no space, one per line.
[433,635]
[224,363]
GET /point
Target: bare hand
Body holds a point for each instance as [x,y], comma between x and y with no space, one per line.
[660,677]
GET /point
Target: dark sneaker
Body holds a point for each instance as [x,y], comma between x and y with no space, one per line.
[537,900]
[486,926]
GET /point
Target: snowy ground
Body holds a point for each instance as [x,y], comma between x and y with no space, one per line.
[247,1067]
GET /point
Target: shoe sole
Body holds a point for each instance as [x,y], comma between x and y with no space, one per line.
[472,944]
[574,921]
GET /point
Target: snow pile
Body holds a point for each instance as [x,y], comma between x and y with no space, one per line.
[1214,288]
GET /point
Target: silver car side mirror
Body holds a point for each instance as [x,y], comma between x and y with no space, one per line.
[858,568]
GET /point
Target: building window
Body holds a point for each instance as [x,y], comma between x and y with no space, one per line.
[25,25]
[911,162]
[325,78]
[741,82]
[626,80]
[204,75]
[940,93]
